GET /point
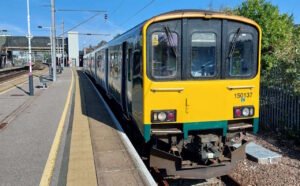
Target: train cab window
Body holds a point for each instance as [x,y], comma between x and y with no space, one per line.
[241,57]
[203,60]
[164,57]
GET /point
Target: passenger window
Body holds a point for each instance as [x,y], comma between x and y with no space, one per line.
[241,58]
[99,62]
[164,57]
[203,61]
[129,53]
[136,63]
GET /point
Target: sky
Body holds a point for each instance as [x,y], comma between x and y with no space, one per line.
[122,14]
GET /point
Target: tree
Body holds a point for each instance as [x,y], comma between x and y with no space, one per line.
[277,29]
[117,35]
[101,43]
[280,40]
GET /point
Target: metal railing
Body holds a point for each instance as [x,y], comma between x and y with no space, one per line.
[279,108]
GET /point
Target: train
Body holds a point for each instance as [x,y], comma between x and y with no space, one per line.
[189,81]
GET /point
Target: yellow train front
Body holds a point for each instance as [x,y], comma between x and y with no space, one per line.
[201,88]
[190,82]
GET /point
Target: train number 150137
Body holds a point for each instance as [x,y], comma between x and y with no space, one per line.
[243,95]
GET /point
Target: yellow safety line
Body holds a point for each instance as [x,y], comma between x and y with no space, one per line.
[81,167]
[49,167]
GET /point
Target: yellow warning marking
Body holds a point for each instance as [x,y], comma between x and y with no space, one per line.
[154,39]
[49,167]
[81,169]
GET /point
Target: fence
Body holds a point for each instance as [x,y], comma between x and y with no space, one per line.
[279,109]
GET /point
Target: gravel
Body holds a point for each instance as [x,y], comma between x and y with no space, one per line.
[285,172]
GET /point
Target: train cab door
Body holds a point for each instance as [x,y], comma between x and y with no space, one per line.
[205,100]
[124,79]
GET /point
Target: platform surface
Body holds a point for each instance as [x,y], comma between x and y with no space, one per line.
[26,140]
[89,151]
[113,164]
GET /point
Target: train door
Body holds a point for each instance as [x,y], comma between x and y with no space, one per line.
[124,79]
[96,62]
[129,80]
[106,71]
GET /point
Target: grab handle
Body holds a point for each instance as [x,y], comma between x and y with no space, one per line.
[167,89]
[240,87]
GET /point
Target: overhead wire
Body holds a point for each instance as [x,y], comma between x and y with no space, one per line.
[115,10]
[139,11]
[78,10]
[112,12]
[81,23]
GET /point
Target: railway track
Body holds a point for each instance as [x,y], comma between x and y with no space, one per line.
[10,74]
[226,180]
[229,180]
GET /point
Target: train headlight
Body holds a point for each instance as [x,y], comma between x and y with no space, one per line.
[251,111]
[243,111]
[163,116]
[246,112]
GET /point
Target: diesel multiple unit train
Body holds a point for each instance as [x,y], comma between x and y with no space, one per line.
[189,81]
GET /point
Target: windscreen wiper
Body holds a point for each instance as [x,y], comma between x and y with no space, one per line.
[234,40]
[171,40]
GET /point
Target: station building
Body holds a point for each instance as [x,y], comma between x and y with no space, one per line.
[14,50]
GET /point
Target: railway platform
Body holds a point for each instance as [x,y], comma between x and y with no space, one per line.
[10,68]
[28,126]
[64,135]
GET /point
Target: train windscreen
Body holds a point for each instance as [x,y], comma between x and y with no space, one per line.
[211,49]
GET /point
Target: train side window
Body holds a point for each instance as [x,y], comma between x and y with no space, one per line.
[241,60]
[164,55]
[129,69]
[136,62]
[203,59]
[99,62]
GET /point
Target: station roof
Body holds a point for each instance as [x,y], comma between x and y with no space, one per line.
[21,42]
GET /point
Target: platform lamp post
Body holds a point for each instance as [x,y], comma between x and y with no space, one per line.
[53,35]
[63,44]
[31,90]
[48,28]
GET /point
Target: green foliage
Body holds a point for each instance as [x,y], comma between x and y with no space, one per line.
[280,41]
[117,35]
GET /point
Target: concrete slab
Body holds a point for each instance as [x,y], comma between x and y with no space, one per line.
[125,177]
[261,155]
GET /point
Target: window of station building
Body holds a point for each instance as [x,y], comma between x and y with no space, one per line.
[164,57]
[241,61]
[203,59]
